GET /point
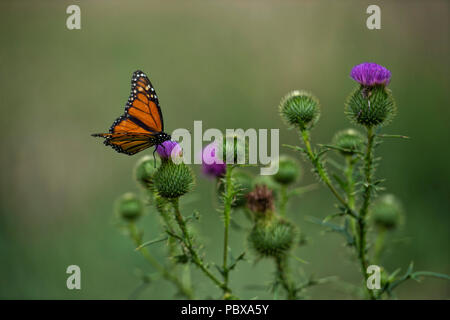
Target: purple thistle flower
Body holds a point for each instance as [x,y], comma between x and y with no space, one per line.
[212,165]
[370,74]
[167,147]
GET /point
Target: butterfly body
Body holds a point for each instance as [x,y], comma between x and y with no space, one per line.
[142,125]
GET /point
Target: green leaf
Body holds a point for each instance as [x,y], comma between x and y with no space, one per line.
[335,164]
[377,182]
[332,216]
[235,261]
[145,244]
[341,182]
[409,274]
[220,269]
[301,190]
[393,275]
[393,136]
[299,259]
[333,147]
[334,227]
[410,268]
[295,148]
[429,274]
[322,153]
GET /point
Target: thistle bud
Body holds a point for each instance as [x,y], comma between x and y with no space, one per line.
[145,169]
[350,141]
[233,148]
[372,103]
[289,170]
[300,109]
[387,212]
[173,180]
[260,201]
[371,106]
[267,181]
[272,239]
[129,207]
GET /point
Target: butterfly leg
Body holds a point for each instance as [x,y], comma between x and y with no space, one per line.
[154,158]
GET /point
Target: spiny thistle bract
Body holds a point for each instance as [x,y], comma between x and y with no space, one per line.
[272,238]
[350,141]
[300,109]
[371,106]
[173,180]
[145,169]
[387,212]
[129,207]
[288,172]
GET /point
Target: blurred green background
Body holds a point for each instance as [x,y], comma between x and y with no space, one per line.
[226,63]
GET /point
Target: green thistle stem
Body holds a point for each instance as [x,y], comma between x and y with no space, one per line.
[283,200]
[322,172]
[368,188]
[379,245]
[280,263]
[134,234]
[172,242]
[228,199]
[361,218]
[169,224]
[350,182]
[368,172]
[194,255]
[349,170]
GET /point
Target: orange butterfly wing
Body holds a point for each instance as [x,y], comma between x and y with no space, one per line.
[143,105]
[135,130]
[127,137]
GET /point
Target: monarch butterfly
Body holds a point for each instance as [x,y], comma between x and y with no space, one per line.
[142,125]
